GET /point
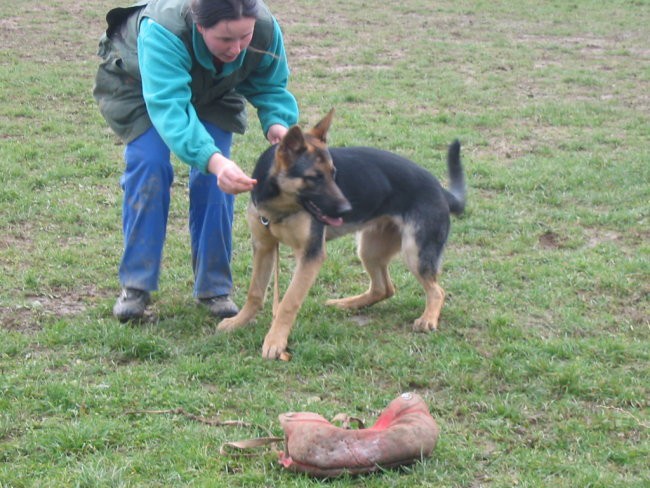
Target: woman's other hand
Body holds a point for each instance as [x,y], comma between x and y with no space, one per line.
[275,133]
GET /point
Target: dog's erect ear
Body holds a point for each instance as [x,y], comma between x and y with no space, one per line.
[320,129]
[291,145]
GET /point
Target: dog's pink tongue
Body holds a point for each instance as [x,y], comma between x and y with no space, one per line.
[334,222]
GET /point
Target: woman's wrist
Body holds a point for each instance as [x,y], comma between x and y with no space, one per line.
[216,163]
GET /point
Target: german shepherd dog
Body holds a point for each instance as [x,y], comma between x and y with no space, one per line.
[307,193]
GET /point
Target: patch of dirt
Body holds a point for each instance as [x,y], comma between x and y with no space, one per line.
[550,240]
[596,237]
[533,138]
[9,24]
[29,315]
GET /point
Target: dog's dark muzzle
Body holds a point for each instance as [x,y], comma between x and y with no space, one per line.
[327,211]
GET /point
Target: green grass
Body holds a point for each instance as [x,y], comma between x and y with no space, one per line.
[539,373]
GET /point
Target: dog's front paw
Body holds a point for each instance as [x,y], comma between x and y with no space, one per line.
[425,325]
[274,347]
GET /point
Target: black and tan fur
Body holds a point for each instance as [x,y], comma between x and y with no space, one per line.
[308,193]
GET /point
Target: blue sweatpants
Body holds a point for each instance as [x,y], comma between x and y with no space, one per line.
[146,182]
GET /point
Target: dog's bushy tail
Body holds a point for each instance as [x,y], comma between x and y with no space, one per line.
[457,190]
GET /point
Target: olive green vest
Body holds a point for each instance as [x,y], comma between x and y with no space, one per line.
[118,87]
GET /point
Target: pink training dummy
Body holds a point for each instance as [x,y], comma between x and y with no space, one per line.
[404,433]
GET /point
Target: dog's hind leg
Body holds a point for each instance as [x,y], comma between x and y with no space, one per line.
[428,321]
[423,260]
[377,246]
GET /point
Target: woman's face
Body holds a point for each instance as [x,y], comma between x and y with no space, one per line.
[227,38]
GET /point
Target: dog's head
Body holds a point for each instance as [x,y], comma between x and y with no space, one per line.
[303,166]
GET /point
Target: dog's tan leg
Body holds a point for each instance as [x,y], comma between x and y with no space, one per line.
[435,295]
[435,298]
[377,245]
[303,278]
[264,249]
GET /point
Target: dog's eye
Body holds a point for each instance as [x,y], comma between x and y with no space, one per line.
[317,178]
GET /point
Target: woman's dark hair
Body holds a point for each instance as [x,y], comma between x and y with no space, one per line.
[207,13]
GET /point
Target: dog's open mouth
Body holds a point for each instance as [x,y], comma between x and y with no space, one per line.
[318,213]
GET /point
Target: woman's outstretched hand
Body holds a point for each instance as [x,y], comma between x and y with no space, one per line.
[230,177]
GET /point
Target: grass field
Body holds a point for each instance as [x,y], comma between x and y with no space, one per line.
[539,375]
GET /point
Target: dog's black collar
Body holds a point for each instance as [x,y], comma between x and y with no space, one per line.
[266,221]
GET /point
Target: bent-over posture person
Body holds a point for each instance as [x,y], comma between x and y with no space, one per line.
[175,76]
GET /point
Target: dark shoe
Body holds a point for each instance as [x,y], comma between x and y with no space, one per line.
[131,304]
[221,306]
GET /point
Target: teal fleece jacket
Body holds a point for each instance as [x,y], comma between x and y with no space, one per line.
[165,65]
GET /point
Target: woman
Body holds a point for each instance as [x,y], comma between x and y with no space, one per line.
[175,76]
